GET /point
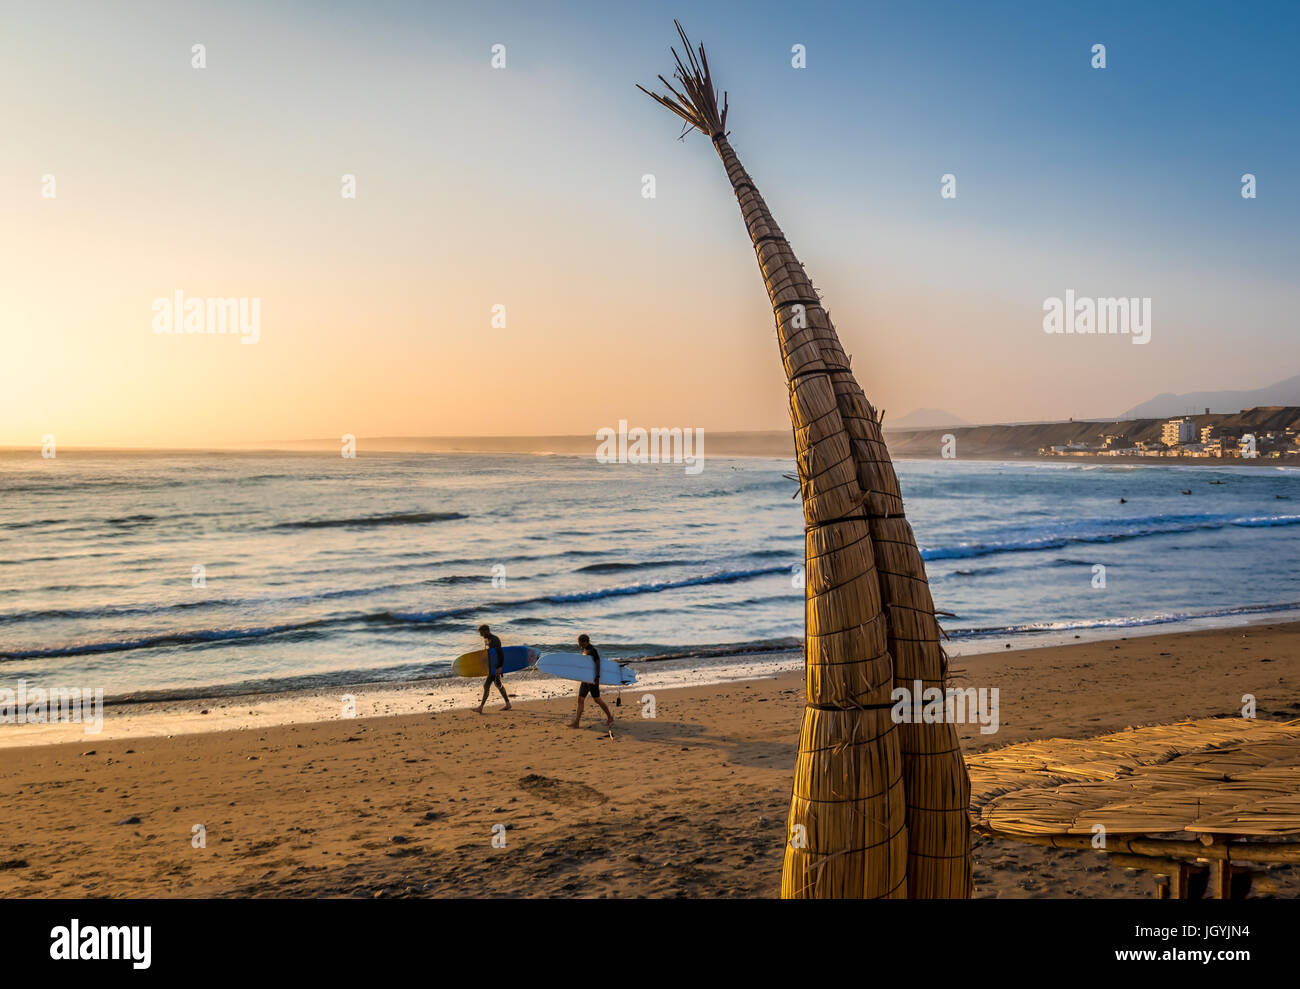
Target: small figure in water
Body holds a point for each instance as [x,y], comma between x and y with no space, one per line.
[496,665]
[592,688]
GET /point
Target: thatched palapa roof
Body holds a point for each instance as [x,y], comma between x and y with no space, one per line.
[1231,777]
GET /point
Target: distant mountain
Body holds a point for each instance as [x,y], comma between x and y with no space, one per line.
[926,419]
[1163,406]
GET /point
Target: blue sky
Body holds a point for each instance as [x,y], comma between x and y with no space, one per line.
[523,186]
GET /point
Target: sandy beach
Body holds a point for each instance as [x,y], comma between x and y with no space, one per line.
[688,803]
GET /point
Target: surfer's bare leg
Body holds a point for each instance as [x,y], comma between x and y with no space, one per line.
[487,686]
[577,718]
[609,715]
[501,687]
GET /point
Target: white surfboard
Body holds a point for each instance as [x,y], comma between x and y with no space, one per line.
[576,666]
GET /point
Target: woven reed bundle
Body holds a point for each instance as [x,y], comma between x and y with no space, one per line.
[875,469]
[800,352]
[848,660]
[847,823]
[848,796]
[1229,776]
[938,789]
[847,816]
[870,621]
[827,479]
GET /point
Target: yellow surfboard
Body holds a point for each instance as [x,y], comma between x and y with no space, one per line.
[475,664]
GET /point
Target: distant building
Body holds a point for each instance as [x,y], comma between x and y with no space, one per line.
[1178,431]
[1207,433]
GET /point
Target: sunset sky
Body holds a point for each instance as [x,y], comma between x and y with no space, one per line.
[522,187]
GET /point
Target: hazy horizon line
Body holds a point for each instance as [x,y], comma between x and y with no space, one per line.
[326,442]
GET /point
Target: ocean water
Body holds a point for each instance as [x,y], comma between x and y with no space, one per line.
[317,570]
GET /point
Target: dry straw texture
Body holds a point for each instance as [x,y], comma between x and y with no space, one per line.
[1217,777]
[878,810]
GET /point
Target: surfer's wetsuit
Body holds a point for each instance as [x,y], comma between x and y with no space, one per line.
[591,688]
[494,668]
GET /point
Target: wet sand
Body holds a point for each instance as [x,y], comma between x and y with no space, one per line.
[689,802]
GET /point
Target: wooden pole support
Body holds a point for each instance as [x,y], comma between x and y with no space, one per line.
[1271,852]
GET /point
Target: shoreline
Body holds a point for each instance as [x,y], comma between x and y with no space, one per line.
[685,797]
[126,718]
[774,454]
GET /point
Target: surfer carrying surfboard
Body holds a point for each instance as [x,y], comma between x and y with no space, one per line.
[496,665]
[592,688]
